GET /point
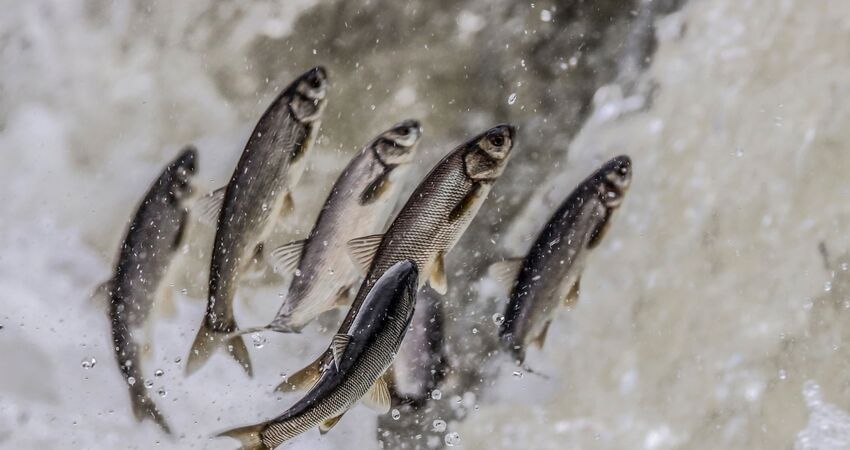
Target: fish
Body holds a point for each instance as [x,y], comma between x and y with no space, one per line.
[258,193]
[427,226]
[359,203]
[421,363]
[361,357]
[551,271]
[156,232]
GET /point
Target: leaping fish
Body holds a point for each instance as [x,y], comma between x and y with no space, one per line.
[149,246]
[258,192]
[359,203]
[360,358]
[551,271]
[428,225]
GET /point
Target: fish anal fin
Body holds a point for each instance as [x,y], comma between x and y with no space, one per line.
[208,207]
[326,426]
[304,379]
[250,437]
[540,340]
[338,345]
[378,396]
[505,272]
[437,278]
[572,295]
[362,250]
[285,258]
[208,340]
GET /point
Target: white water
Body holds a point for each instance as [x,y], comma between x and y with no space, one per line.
[707,319]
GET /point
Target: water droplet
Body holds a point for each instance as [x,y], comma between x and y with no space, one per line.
[545,15]
[297,272]
[512,98]
[159,373]
[739,152]
[148,384]
[452,439]
[782,374]
[439,425]
[474,330]
[131,381]
[162,392]
[177,360]
[827,286]
[845,266]
[258,339]
[88,362]
[498,319]
[518,374]
[396,414]
[436,394]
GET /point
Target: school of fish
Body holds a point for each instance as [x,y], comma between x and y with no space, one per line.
[389,348]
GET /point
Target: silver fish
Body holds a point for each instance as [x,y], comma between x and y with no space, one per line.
[256,195]
[421,362]
[551,272]
[359,203]
[361,357]
[149,246]
[428,226]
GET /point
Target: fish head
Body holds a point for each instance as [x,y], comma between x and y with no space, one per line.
[395,146]
[614,180]
[488,152]
[180,173]
[309,97]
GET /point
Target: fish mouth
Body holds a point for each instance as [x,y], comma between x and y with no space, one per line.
[317,79]
[616,179]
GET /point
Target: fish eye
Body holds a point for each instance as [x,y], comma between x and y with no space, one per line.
[404,131]
[315,82]
[497,140]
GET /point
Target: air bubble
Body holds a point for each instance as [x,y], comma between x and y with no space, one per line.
[498,319]
[546,15]
[162,392]
[439,425]
[396,414]
[436,394]
[148,384]
[258,339]
[512,98]
[452,439]
[131,381]
[88,362]
[159,373]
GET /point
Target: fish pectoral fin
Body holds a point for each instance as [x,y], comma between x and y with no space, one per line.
[180,236]
[304,379]
[541,338]
[465,206]
[206,209]
[378,396]
[250,437]
[338,346]
[326,425]
[285,258]
[362,250]
[376,188]
[572,295]
[287,205]
[437,279]
[505,272]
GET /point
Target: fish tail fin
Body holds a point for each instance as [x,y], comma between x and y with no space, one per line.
[303,379]
[144,408]
[208,340]
[248,436]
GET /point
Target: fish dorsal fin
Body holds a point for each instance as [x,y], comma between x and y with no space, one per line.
[363,249]
[437,279]
[338,345]
[304,379]
[207,207]
[541,338]
[326,426]
[378,396]
[572,295]
[505,272]
[285,258]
